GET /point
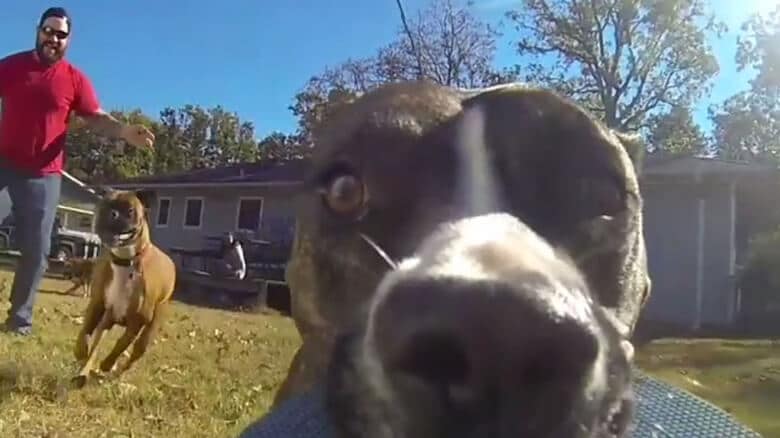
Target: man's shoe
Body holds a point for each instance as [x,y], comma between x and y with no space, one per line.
[16,330]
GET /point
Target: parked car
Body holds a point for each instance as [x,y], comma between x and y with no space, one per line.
[65,243]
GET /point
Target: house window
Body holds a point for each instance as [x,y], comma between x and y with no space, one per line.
[250,211]
[163,212]
[193,212]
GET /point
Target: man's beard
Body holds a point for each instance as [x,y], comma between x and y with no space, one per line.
[49,56]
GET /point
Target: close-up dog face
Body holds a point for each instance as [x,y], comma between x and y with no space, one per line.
[120,218]
[511,324]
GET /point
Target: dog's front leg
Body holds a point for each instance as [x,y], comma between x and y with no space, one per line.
[105,323]
[92,318]
[72,289]
[149,330]
[131,333]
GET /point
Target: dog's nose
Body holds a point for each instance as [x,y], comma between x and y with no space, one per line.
[478,341]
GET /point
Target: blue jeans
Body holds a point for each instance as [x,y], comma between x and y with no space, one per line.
[34,202]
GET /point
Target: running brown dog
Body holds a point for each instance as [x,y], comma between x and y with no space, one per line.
[132,284]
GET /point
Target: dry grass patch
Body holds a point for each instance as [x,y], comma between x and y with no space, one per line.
[209,374]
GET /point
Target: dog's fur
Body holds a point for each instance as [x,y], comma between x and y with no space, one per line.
[79,272]
[132,284]
[564,292]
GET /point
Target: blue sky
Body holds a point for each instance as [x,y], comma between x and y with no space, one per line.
[252,56]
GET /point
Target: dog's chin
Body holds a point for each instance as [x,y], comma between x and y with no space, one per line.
[396,405]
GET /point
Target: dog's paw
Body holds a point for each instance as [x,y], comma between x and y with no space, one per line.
[79,381]
[107,366]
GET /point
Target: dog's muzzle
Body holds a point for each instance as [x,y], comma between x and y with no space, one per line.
[488,316]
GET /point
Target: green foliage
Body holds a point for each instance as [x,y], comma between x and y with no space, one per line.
[95,158]
[675,132]
[185,138]
[278,146]
[747,125]
[760,280]
[622,59]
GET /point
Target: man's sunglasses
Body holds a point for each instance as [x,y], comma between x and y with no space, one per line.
[48,31]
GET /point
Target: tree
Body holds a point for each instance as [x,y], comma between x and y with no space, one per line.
[747,124]
[445,43]
[195,137]
[185,138]
[622,59]
[278,146]
[676,132]
[96,159]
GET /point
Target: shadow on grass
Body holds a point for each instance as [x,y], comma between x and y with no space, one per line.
[277,300]
[45,386]
[61,293]
[693,355]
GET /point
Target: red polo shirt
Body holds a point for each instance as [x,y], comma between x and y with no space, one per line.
[37,101]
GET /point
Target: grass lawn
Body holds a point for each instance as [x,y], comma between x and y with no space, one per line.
[212,372]
[742,377]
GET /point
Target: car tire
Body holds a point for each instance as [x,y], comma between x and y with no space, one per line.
[63,253]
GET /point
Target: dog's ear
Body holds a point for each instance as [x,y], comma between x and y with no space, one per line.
[146,197]
[103,191]
[635,146]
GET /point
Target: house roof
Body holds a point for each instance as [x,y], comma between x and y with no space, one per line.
[292,172]
[660,165]
[244,174]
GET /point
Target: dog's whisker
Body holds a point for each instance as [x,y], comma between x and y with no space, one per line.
[379,251]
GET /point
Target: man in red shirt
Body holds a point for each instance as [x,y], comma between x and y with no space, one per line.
[39,91]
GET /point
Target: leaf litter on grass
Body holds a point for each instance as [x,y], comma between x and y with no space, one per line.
[209,373]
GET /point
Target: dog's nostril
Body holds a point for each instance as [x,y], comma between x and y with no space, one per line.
[436,358]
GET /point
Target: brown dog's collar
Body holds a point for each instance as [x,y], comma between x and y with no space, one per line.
[122,262]
[134,261]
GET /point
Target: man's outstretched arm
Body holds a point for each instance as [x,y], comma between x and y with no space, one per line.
[103,123]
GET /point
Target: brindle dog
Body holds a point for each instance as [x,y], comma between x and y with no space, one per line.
[79,272]
[508,324]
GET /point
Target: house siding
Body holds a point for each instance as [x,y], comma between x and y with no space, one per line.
[718,286]
[671,222]
[220,208]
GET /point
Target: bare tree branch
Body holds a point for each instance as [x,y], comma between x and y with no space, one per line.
[420,70]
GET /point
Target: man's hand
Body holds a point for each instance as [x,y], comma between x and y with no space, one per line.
[105,124]
[137,135]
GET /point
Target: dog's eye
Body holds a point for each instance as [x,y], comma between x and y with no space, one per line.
[345,194]
[601,195]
